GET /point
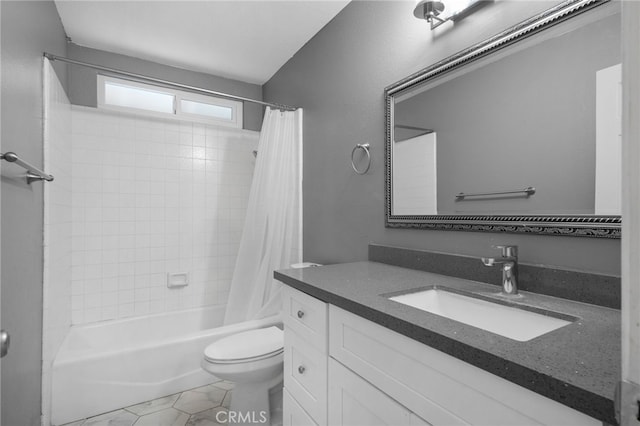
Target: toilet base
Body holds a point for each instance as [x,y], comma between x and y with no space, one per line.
[250,403]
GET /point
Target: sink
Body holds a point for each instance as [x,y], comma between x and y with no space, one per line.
[517,322]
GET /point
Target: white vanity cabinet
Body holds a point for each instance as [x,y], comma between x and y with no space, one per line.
[438,388]
[375,376]
[305,359]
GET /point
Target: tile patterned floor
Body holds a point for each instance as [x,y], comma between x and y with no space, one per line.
[195,407]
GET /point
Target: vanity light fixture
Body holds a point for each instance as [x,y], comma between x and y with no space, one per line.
[436,13]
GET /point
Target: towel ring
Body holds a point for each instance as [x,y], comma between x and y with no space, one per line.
[365,147]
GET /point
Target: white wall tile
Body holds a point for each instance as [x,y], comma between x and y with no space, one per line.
[152,197]
[58,288]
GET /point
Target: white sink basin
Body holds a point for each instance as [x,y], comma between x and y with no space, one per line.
[508,321]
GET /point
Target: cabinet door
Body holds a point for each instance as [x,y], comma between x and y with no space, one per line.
[354,401]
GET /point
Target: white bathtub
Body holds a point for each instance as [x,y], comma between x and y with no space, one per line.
[113,364]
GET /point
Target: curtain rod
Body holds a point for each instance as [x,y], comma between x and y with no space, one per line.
[52,57]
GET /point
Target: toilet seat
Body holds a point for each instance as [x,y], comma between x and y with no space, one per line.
[248,346]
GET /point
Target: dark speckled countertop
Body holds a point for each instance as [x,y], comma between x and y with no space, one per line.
[577,365]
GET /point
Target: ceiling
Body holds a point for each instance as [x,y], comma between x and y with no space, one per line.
[243,40]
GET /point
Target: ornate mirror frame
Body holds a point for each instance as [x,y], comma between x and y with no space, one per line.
[569,225]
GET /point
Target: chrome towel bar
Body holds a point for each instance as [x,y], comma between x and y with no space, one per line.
[33,173]
[528,191]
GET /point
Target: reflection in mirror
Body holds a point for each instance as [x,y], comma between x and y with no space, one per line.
[542,113]
[415,183]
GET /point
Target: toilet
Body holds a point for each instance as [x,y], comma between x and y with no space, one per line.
[253,360]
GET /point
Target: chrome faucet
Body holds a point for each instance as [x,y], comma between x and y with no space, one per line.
[509,262]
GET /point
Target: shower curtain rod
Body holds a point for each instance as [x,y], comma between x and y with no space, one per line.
[281,107]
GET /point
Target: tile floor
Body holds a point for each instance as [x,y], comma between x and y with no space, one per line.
[195,407]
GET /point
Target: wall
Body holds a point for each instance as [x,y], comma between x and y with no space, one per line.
[28,29]
[83,88]
[338,77]
[57,228]
[151,197]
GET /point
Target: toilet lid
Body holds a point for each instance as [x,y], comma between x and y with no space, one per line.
[248,345]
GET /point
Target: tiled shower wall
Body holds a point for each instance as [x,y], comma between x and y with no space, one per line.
[56,313]
[153,197]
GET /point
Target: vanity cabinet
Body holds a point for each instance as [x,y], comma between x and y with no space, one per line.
[375,376]
[305,359]
[437,387]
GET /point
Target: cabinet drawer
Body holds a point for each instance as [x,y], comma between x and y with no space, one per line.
[305,376]
[307,316]
[293,413]
[437,387]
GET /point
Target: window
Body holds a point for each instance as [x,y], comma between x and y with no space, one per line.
[206,106]
[133,97]
[203,108]
[125,95]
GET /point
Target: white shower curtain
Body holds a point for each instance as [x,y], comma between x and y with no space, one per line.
[272,233]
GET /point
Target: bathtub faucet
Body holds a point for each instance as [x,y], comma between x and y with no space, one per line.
[509,262]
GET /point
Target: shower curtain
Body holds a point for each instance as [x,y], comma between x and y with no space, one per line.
[272,233]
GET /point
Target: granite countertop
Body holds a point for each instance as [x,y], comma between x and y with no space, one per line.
[577,365]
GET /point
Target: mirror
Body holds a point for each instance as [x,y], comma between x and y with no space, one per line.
[518,133]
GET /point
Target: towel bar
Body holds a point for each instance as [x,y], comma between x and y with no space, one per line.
[33,173]
[529,191]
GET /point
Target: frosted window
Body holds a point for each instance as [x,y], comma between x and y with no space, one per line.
[145,99]
[135,97]
[208,110]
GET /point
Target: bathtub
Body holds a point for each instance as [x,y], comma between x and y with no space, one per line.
[108,365]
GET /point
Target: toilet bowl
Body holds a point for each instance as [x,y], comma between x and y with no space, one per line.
[253,360]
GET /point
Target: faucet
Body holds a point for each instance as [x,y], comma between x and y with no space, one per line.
[509,262]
